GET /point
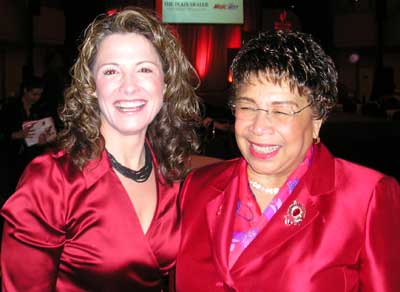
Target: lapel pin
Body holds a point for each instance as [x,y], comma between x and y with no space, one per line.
[219,210]
[295,214]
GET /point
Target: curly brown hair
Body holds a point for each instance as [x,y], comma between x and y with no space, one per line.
[292,57]
[172,133]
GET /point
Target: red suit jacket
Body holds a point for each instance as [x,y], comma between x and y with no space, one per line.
[349,239]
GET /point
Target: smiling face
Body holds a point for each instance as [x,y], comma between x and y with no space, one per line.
[273,148]
[129,84]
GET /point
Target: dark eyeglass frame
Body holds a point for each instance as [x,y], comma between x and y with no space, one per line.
[255,109]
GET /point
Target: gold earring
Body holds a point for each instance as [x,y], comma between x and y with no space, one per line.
[316,140]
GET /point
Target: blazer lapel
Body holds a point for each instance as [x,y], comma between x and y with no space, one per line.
[220,217]
[277,232]
[316,182]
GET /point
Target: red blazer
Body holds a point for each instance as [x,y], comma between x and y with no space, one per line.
[349,239]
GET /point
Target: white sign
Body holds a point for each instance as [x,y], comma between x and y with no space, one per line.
[202,11]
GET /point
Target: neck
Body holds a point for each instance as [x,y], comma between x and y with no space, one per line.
[264,184]
[133,160]
[267,180]
[128,150]
[140,175]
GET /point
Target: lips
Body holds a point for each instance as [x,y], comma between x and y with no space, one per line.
[264,151]
[130,105]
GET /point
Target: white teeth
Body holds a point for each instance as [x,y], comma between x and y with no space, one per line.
[129,104]
[267,149]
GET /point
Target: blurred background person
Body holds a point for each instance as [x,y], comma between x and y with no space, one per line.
[13,116]
[101,213]
[287,216]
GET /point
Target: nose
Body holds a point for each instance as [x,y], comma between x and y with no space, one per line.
[129,83]
[262,124]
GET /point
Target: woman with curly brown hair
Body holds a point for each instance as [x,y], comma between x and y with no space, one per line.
[101,213]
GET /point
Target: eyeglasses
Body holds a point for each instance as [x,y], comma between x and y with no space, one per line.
[279,113]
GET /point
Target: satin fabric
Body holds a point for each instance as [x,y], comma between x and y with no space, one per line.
[348,240]
[70,230]
[249,220]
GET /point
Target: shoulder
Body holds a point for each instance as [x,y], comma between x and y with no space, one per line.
[41,195]
[357,175]
[360,184]
[366,184]
[348,183]
[329,172]
[50,165]
[59,164]
[47,179]
[53,183]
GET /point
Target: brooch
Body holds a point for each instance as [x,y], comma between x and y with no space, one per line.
[295,214]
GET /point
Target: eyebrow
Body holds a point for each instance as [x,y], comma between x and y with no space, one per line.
[97,67]
[155,63]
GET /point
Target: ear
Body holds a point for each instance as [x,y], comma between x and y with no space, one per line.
[316,127]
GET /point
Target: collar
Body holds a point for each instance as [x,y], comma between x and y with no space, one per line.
[320,178]
[96,168]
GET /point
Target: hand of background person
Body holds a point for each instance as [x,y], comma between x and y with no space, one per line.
[22,134]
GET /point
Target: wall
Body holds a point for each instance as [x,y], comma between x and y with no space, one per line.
[12,21]
[48,33]
[356,31]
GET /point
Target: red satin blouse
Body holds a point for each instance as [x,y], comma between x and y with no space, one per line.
[71,230]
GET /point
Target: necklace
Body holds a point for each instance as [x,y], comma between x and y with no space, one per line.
[140,175]
[260,187]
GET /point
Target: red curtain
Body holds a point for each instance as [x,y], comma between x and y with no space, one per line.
[206,47]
